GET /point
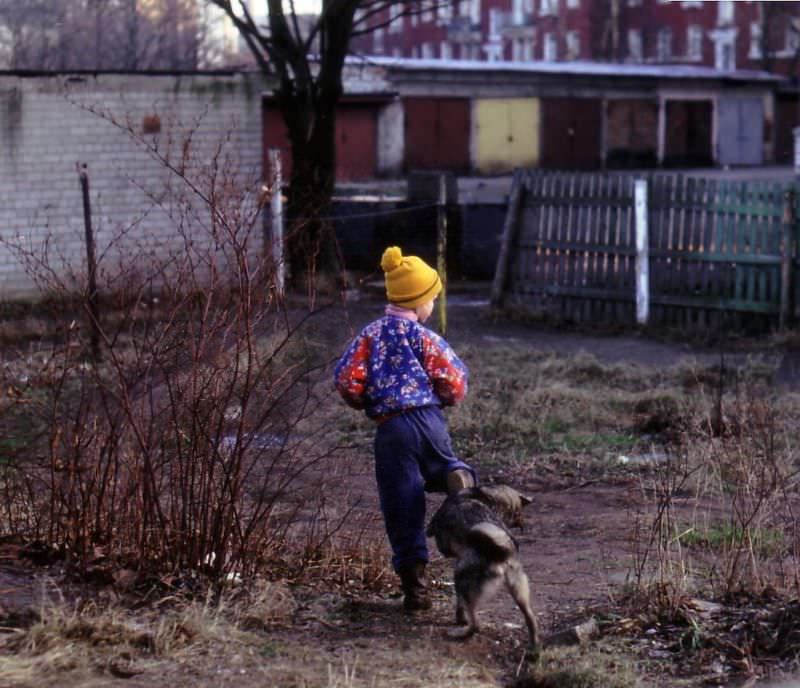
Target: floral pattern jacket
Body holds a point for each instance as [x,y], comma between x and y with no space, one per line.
[396,364]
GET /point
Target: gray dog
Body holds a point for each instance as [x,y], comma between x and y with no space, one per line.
[473,527]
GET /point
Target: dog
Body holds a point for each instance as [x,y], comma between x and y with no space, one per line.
[472,527]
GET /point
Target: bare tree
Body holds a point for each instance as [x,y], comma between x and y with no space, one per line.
[102,34]
[309,87]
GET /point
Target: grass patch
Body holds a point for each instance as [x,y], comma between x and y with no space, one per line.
[580,668]
[764,541]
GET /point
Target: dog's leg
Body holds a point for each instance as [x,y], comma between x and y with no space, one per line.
[520,589]
[474,584]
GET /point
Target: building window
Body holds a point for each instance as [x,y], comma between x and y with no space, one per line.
[573,4]
[664,44]
[724,52]
[427,13]
[755,41]
[414,16]
[792,41]
[471,9]
[522,49]
[520,11]
[725,12]
[445,51]
[550,47]
[495,18]
[694,42]
[427,51]
[548,7]
[494,52]
[688,4]
[635,45]
[414,51]
[377,40]
[445,12]
[396,52]
[573,45]
[395,18]
[634,3]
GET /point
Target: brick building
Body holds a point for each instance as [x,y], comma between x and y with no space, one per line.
[725,35]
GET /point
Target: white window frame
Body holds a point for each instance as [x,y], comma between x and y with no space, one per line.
[635,53]
[426,51]
[634,3]
[694,43]
[573,4]
[475,12]
[426,16]
[664,44]
[495,23]
[792,41]
[396,18]
[550,47]
[518,12]
[726,12]
[755,52]
[445,51]
[548,7]
[494,51]
[377,40]
[573,45]
[689,4]
[445,13]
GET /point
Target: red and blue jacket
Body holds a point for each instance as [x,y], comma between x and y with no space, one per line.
[396,364]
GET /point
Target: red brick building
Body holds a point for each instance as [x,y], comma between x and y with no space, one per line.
[723,34]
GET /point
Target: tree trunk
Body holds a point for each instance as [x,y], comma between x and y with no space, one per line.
[311,240]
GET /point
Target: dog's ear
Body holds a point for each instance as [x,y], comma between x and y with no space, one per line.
[525,500]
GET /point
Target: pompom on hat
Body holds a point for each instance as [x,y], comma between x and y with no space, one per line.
[410,281]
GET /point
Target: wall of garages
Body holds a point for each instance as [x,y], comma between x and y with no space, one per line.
[474,121]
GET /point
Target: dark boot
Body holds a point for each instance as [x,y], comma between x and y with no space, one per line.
[458,480]
[415,589]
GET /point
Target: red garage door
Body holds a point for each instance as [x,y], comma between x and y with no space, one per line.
[437,134]
[571,133]
[356,140]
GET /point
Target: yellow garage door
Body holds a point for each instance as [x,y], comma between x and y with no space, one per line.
[505,134]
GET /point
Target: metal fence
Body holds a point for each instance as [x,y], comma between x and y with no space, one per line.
[708,251]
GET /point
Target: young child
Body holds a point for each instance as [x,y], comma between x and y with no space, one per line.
[401,374]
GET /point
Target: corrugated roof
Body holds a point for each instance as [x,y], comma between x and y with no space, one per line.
[578,68]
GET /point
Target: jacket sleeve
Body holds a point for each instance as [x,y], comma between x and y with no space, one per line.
[446,371]
[350,375]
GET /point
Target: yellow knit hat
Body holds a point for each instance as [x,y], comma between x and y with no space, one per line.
[410,281]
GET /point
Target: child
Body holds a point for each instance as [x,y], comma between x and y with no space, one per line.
[401,374]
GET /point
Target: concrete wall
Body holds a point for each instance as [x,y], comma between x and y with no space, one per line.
[208,126]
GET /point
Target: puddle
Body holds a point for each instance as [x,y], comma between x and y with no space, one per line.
[648,459]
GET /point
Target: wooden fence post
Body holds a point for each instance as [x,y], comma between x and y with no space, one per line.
[276,218]
[642,253]
[507,238]
[787,259]
[92,304]
[441,251]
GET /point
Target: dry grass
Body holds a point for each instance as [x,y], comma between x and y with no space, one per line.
[573,667]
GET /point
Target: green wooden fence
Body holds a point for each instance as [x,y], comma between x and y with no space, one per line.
[719,251]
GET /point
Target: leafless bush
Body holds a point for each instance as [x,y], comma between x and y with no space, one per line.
[720,514]
[188,445]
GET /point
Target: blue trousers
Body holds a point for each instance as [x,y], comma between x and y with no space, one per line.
[413,454]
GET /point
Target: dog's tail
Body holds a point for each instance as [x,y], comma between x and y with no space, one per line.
[491,541]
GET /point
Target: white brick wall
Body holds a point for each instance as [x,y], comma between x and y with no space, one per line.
[140,210]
